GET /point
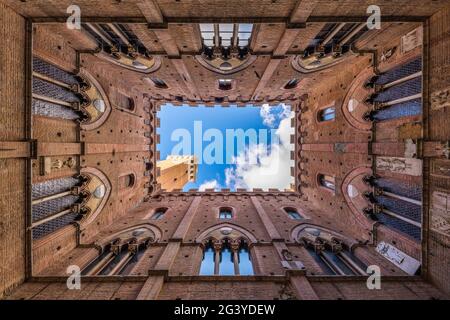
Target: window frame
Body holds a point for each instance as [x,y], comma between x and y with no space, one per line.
[293,210]
[159,83]
[287,85]
[230,81]
[322,110]
[231,210]
[159,213]
[323,186]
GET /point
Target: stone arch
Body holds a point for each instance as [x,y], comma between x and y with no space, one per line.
[152,230]
[151,64]
[353,106]
[236,64]
[93,93]
[297,230]
[219,232]
[353,188]
[94,203]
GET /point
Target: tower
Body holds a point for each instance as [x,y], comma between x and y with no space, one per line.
[176,171]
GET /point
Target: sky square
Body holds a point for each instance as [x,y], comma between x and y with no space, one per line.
[270,165]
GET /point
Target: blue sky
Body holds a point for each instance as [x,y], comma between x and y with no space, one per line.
[220,118]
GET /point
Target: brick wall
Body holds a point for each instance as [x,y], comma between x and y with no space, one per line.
[12,128]
[438,129]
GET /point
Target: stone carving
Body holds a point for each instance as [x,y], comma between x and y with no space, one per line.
[400,165]
[287,255]
[386,54]
[50,164]
[440,212]
[440,99]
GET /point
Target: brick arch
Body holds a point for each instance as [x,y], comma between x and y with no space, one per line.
[357,203]
[210,232]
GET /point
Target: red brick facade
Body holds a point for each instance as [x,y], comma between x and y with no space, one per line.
[120,141]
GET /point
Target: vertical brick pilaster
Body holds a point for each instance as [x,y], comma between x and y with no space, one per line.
[303,288]
[270,227]
[151,288]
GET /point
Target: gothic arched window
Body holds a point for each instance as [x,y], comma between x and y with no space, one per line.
[330,253]
[121,255]
[226,257]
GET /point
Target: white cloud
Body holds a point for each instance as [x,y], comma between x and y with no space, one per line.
[257,168]
[272,114]
[209,184]
[266,115]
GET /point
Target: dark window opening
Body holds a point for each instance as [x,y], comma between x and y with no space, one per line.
[159,83]
[293,83]
[293,214]
[126,181]
[326,114]
[225,214]
[225,84]
[159,213]
[327,182]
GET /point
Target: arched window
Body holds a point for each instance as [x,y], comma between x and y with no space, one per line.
[330,253]
[159,213]
[54,204]
[293,213]
[121,255]
[327,181]
[227,260]
[326,114]
[126,181]
[207,266]
[245,262]
[291,84]
[125,102]
[226,257]
[159,83]
[225,213]
[395,204]
[225,84]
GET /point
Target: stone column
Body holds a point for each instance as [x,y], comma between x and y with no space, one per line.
[235,249]
[217,249]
